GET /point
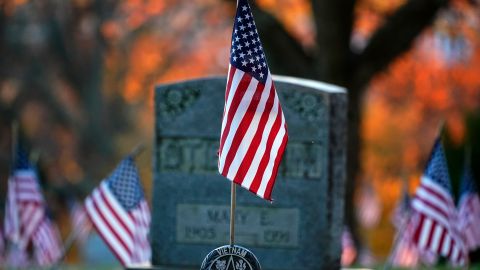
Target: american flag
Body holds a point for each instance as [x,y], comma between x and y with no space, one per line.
[120,214]
[254,131]
[469,210]
[47,243]
[25,205]
[434,211]
[79,222]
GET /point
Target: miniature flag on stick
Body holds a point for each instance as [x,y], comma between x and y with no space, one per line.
[433,207]
[120,214]
[25,205]
[254,131]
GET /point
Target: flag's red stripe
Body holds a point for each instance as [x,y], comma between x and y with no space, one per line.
[278,159]
[257,180]
[431,234]
[442,240]
[231,71]
[242,130]
[418,229]
[257,138]
[229,83]
[237,98]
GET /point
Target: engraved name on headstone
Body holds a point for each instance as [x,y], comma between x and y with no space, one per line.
[190,217]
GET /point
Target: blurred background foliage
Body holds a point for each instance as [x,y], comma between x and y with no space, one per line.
[78,76]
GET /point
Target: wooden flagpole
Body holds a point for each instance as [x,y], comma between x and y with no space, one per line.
[233,203]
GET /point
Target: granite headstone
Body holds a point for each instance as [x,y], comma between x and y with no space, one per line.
[300,230]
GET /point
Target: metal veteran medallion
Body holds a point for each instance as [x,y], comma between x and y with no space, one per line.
[230,258]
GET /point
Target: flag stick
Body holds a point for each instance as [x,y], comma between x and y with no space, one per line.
[232,213]
[67,246]
[137,150]
[14,141]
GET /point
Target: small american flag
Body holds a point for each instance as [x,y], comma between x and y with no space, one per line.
[254,131]
[434,211]
[469,210]
[79,221]
[25,205]
[47,243]
[120,214]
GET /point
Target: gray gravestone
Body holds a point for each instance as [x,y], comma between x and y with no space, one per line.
[300,230]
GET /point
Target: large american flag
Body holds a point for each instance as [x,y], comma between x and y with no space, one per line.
[47,243]
[435,213]
[254,131]
[25,205]
[120,214]
[469,210]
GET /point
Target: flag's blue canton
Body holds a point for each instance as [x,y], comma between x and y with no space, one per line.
[21,158]
[124,182]
[437,169]
[247,51]
[468,183]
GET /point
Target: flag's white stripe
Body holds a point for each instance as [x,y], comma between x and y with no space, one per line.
[29,197]
[426,181]
[425,232]
[249,134]
[446,245]
[237,119]
[273,155]
[103,229]
[247,182]
[421,207]
[236,79]
[25,174]
[436,237]
[112,219]
[455,254]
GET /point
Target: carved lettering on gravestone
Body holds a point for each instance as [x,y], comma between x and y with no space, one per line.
[194,155]
[254,226]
